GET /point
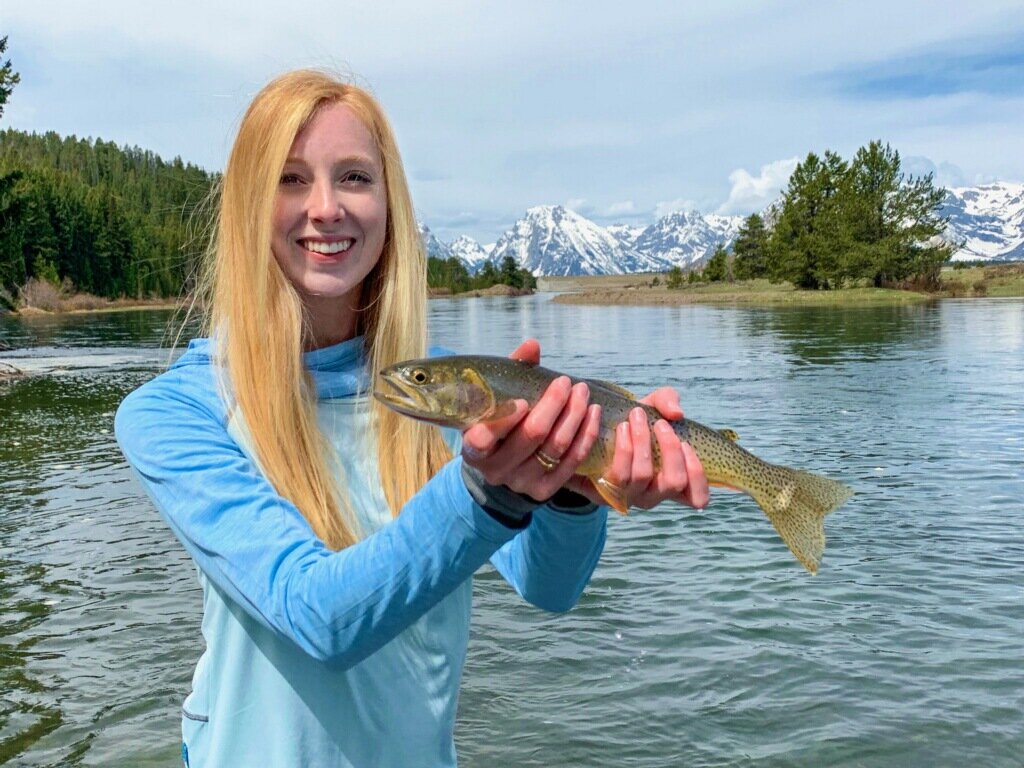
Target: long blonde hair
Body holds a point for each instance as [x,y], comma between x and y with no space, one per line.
[257,316]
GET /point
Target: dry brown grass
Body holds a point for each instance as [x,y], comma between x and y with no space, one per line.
[41,297]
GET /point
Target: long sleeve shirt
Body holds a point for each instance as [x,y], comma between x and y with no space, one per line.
[315,657]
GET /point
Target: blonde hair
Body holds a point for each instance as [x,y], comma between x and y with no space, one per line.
[257,316]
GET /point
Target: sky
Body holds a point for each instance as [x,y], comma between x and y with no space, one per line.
[623,112]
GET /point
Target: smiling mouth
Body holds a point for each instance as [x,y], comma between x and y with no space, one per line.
[322,248]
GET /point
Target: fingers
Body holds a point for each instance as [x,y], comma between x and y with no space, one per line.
[528,352]
[547,483]
[697,493]
[666,400]
[676,474]
[480,440]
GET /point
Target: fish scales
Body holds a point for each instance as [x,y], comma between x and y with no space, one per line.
[460,390]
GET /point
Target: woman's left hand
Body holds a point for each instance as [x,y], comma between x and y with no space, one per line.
[680,476]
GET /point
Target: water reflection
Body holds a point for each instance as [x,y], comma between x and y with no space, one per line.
[145,328]
[830,335]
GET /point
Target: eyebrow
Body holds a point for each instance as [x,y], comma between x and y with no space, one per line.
[340,161]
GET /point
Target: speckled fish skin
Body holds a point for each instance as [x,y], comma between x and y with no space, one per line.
[461,390]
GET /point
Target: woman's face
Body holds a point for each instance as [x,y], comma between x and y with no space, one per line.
[330,214]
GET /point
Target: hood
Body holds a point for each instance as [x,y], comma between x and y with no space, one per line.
[338,370]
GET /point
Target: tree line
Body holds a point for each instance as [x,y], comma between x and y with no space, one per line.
[841,223]
[452,275]
[108,220]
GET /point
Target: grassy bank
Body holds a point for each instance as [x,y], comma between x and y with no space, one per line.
[995,280]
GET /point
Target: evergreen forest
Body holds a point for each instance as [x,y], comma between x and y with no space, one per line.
[104,220]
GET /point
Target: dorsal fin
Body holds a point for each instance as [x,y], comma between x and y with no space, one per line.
[729,434]
[613,387]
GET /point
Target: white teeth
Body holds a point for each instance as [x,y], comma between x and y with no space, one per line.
[320,247]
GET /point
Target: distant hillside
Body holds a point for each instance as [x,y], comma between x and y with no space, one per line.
[114,221]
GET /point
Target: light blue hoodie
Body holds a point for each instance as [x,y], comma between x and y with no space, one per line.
[321,658]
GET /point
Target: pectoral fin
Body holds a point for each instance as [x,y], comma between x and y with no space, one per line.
[613,494]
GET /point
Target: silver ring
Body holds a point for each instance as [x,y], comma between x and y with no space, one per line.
[546,461]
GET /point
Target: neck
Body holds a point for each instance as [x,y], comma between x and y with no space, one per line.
[329,320]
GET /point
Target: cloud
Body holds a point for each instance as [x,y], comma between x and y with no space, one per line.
[579,205]
[990,65]
[620,208]
[945,174]
[753,193]
[665,207]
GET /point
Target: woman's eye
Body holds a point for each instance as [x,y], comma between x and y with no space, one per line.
[357,176]
[290,178]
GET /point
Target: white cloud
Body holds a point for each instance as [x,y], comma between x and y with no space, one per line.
[617,209]
[753,193]
[665,207]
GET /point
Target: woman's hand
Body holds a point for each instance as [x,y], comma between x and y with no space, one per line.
[680,476]
[534,451]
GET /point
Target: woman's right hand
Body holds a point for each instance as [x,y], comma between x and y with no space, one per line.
[534,451]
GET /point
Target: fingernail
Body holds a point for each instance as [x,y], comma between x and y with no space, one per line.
[662,426]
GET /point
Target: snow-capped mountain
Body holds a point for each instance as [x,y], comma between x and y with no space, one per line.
[552,240]
[433,246]
[625,233]
[684,238]
[473,254]
[988,220]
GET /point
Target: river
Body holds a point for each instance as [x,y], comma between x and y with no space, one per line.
[699,642]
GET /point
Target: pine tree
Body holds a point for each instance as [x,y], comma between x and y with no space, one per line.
[8,77]
[893,220]
[751,249]
[810,236]
[718,267]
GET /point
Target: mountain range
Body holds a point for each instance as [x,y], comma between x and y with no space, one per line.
[986,221]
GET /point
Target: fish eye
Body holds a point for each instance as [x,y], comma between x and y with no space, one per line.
[419,376]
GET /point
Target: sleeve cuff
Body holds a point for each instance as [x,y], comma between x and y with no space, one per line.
[571,503]
[509,508]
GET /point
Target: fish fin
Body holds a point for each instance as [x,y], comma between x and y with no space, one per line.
[613,494]
[498,410]
[613,387]
[724,485]
[501,410]
[797,505]
[729,434]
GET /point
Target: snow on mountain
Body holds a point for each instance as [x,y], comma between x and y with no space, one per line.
[685,238]
[552,240]
[473,254]
[625,233]
[988,220]
[433,246]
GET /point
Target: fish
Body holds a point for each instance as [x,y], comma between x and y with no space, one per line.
[463,390]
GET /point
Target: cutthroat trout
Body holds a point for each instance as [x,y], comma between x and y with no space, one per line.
[461,390]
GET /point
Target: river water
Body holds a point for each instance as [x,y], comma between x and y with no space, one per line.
[699,642]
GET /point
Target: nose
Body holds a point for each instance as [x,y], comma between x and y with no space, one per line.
[325,202]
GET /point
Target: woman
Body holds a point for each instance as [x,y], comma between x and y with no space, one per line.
[335,540]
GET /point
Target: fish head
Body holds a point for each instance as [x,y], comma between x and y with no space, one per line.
[441,391]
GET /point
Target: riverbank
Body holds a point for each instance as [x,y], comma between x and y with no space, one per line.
[996,280]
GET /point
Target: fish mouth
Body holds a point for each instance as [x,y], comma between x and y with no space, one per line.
[407,399]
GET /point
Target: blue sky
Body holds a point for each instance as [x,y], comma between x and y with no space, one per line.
[622,112]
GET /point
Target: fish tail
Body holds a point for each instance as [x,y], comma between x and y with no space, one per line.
[797,502]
